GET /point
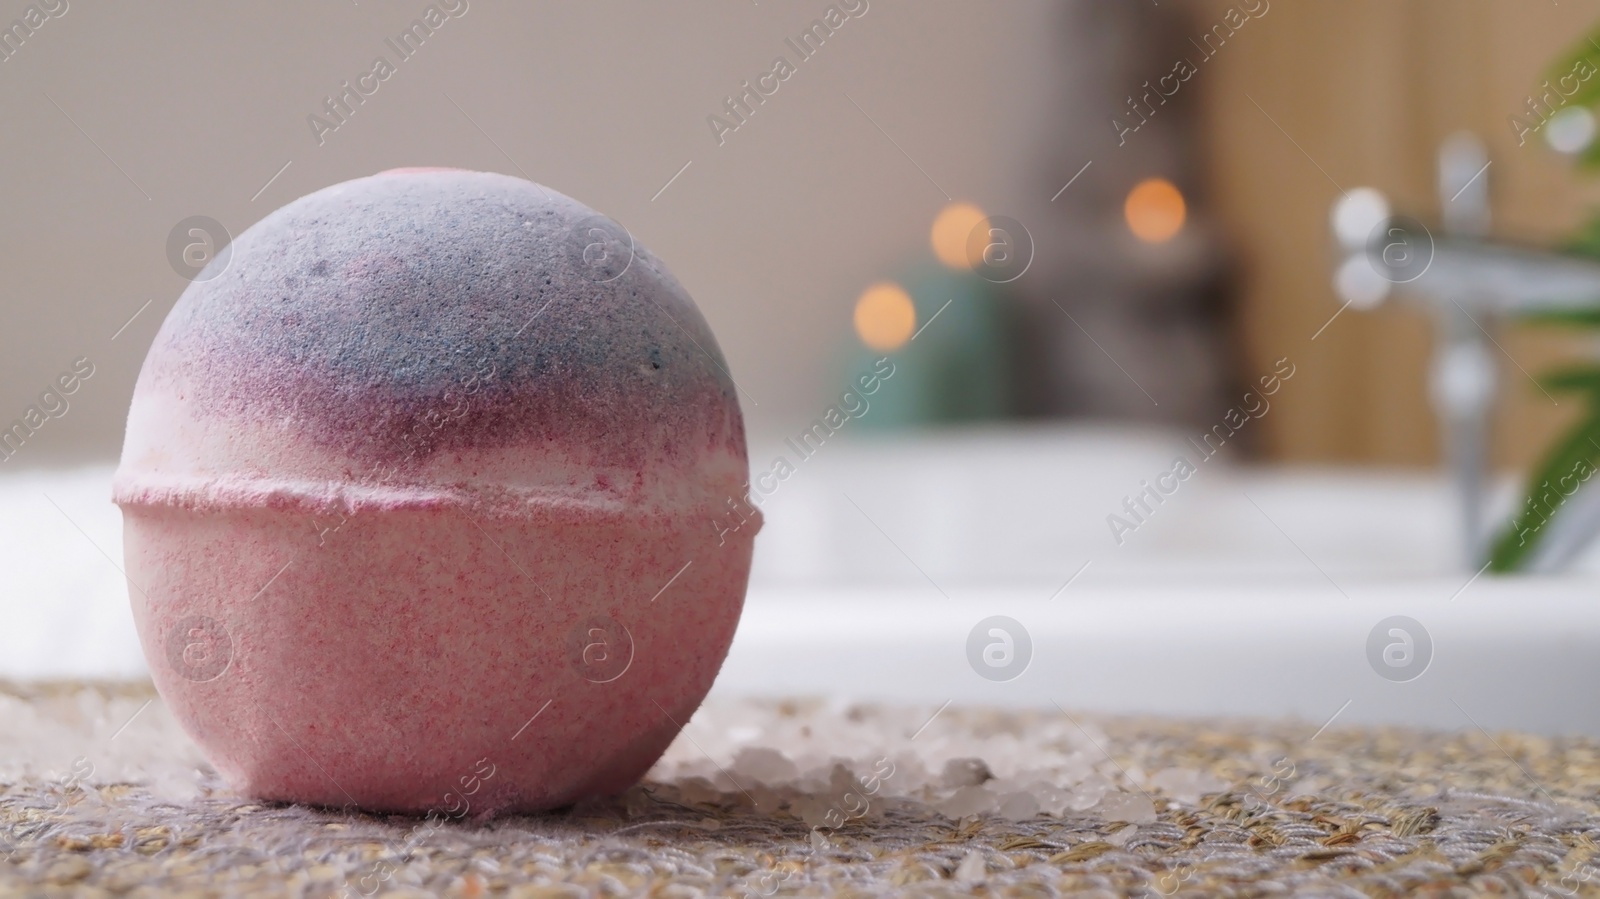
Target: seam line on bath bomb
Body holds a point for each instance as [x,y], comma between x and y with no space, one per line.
[326,496]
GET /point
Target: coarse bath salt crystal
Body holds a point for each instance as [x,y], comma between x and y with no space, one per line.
[967,801]
[1018,806]
[1186,785]
[765,765]
[1134,808]
[425,491]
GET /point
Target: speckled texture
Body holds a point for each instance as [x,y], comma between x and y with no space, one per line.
[437,452]
[1380,812]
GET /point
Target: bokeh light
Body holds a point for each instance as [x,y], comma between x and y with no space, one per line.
[1155,210]
[1357,215]
[1570,130]
[951,228]
[885,316]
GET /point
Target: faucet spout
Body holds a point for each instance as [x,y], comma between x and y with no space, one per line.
[1506,280]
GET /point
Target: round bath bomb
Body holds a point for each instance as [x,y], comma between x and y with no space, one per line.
[425,492]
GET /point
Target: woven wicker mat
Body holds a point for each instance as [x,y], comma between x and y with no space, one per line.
[100,793]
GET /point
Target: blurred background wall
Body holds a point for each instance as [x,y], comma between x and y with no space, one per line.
[123,120]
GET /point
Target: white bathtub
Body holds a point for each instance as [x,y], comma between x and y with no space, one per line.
[1244,592]
[1247,592]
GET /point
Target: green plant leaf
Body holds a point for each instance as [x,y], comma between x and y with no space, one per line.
[1589,157]
[1575,80]
[1566,318]
[1571,66]
[1578,448]
[1568,380]
[1586,242]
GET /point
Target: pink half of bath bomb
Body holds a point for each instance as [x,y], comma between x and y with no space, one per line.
[426,501]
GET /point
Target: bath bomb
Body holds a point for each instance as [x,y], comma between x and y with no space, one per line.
[425,491]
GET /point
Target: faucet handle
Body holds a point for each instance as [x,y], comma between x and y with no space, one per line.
[1464,185]
[1355,218]
[1355,215]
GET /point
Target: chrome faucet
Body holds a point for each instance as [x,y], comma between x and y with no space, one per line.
[1470,285]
